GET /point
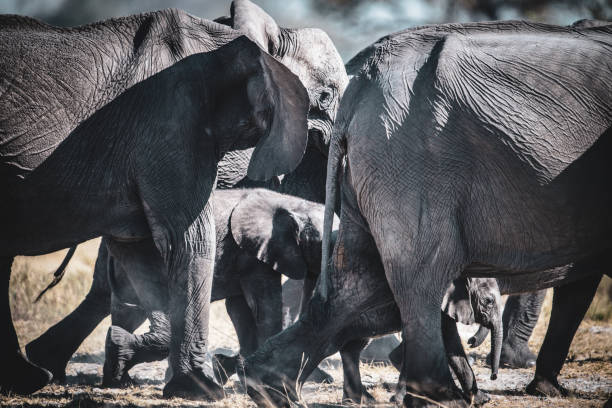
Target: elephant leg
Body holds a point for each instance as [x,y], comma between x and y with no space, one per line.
[54,348]
[519,319]
[292,297]
[418,280]
[183,287]
[240,313]
[459,363]
[18,375]
[124,350]
[262,290]
[128,317]
[190,275]
[396,356]
[570,303]
[357,283]
[353,390]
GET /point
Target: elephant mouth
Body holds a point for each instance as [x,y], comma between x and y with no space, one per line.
[319,134]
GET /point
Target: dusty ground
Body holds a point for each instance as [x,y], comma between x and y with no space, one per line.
[588,370]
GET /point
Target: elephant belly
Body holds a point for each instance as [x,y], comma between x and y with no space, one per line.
[47,221]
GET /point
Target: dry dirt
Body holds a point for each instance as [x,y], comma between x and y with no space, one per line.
[588,371]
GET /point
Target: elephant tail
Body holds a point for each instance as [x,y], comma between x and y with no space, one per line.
[337,150]
[59,273]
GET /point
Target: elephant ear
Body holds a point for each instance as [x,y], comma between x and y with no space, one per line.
[258,25]
[258,102]
[456,303]
[280,104]
[271,234]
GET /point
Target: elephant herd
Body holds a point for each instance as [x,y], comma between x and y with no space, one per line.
[459,163]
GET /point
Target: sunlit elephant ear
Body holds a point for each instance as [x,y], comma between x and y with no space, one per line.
[456,303]
[271,234]
[258,25]
[280,103]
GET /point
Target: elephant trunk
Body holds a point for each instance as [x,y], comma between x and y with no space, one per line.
[497,334]
[477,339]
[336,152]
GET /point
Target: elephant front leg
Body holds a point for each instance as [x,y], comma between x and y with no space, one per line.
[190,289]
[262,290]
[17,375]
[54,348]
[520,317]
[353,390]
[459,363]
[275,372]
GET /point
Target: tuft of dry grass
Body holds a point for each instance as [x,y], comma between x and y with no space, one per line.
[601,308]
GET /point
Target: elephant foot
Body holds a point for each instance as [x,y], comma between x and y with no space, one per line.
[431,396]
[40,354]
[515,357]
[364,398]
[20,376]
[478,399]
[195,386]
[547,387]
[269,393]
[320,377]
[225,366]
[125,382]
[119,351]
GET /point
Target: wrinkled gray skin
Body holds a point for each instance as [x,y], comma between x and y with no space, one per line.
[75,167]
[261,235]
[499,162]
[120,159]
[467,301]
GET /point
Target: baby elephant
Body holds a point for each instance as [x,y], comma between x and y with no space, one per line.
[467,301]
[261,235]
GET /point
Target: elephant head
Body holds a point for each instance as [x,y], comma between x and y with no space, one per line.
[478,300]
[281,231]
[307,52]
[260,103]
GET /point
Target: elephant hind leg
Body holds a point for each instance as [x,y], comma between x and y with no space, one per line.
[54,348]
[18,375]
[570,303]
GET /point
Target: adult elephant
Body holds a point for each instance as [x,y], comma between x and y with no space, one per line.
[260,236]
[498,155]
[115,173]
[65,131]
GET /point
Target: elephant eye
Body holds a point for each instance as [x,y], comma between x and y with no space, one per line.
[487,301]
[325,98]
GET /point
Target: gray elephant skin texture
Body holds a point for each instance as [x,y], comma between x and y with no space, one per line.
[261,235]
[104,136]
[498,162]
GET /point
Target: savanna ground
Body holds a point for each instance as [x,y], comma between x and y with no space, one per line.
[588,370]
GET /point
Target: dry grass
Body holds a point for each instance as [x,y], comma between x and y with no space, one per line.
[590,356]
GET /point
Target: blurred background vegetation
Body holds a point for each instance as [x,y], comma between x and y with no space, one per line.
[352,24]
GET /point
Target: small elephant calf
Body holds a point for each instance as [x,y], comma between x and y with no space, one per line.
[261,235]
[467,301]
